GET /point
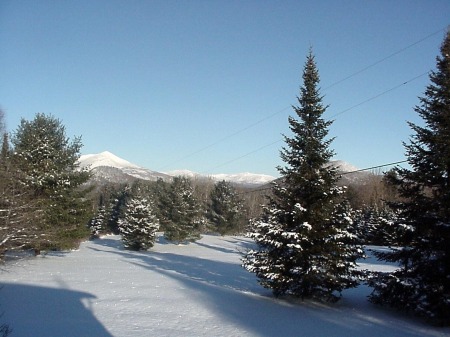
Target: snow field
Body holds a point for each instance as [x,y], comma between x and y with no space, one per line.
[198,289]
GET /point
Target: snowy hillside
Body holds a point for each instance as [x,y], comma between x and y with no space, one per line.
[104,159]
[350,173]
[343,166]
[198,289]
[108,167]
[247,179]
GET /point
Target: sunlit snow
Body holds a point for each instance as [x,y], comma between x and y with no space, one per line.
[198,289]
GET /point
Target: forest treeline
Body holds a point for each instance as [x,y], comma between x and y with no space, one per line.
[49,203]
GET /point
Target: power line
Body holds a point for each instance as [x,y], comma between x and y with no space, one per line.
[337,114]
[245,155]
[330,86]
[375,167]
[380,94]
[340,173]
[227,137]
[385,58]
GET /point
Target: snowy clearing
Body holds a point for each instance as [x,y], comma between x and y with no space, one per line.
[176,290]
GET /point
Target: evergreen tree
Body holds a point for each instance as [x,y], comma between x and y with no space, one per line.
[225,209]
[160,194]
[47,167]
[139,224]
[117,208]
[97,225]
[46,156]
[422,283]
[5,152]
[379,226]
[183,214]
[305,248]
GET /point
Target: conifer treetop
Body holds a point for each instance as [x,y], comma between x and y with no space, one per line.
[310,129]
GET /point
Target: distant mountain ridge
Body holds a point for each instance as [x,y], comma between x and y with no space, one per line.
[245,178]
[107,167]
[105,158]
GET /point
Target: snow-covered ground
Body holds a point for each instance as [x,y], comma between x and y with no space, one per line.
[176,290]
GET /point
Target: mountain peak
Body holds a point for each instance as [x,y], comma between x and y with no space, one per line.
[343,166]
[104,158]
[246,178]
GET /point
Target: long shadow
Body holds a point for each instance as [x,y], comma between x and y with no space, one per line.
[239,245]
[111,242]
[40,311]
[234,295]
[220,249]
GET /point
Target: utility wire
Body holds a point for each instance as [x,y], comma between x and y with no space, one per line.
[385,58]
[245,155]
[380,94]
[337,114]
[329,86]
[374,167]
[340,173]
[227,137]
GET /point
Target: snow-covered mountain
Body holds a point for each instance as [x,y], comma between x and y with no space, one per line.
[351,174]
[246,178]
[104,159]
[343,166]
[106,167]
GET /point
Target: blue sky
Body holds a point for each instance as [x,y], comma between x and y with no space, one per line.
[207,85]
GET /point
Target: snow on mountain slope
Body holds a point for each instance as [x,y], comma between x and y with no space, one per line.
[108,167]
[183,173]
[101,165]
[104,159]
[248,179]
[343,166]
[245,178]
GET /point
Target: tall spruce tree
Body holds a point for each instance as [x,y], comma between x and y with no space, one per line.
[305,249]
[422,284]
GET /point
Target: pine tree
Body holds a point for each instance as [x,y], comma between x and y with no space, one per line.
[422,283]
[117,208]
[305,248]
[5,152]
[97,225]
[139,225]
[183,214]
[46,162]
[379,226]
[46,156]
[225,209]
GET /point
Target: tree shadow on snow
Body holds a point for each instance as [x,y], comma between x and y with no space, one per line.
[112,241]
[234,295]
[239,245]
[220,249]
[36,311]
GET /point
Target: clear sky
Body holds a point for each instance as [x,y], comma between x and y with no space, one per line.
[208,85]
